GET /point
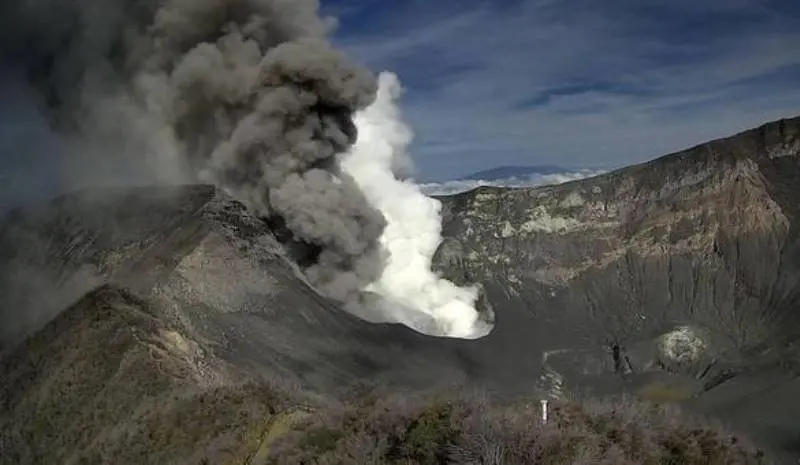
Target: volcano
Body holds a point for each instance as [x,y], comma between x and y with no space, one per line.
[119,302]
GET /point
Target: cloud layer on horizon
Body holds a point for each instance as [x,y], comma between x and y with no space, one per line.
[456,186]
[566,82]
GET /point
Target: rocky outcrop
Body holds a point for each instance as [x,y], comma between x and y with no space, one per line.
[688,264]
[697,251]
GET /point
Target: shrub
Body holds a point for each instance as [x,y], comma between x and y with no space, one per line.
[467,430]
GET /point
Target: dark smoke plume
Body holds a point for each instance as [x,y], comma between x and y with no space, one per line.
[248,93]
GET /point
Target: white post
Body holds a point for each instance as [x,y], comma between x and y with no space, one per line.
[544,410]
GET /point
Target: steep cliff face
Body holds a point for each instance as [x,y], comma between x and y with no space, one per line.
[687,265]
[705,240]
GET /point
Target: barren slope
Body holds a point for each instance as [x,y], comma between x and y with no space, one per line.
[185,306]
[689,265]
[683,271]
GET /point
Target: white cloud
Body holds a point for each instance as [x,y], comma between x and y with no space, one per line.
[664,89]
[456,186]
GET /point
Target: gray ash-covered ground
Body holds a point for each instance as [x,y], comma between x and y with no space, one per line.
[680,276]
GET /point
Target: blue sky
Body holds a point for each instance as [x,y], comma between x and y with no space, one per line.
[579,83]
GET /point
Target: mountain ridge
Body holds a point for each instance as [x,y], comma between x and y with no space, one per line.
[688,264]
[601,286]
[514,171]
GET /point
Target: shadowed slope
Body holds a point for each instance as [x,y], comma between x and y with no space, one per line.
[683,272]
[202,261]
[110,381]
[190,312]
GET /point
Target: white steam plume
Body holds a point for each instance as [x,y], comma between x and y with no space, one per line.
[409,291]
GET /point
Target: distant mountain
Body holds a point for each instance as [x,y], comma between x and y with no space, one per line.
[516,172]
[509,176]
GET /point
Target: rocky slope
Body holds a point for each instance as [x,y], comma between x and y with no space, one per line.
[688,265]
[682,272]
[203,265]
[181,311]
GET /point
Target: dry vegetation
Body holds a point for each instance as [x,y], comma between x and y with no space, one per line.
[468,430]
[137,400]
[260,425]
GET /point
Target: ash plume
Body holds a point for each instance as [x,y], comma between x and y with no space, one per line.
[246,94]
